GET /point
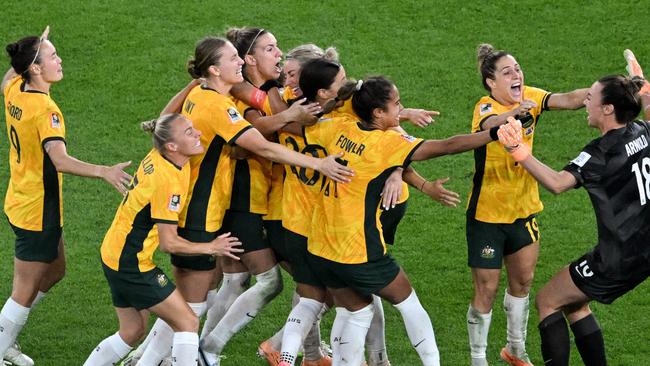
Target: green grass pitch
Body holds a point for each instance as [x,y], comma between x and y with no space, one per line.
[123,60]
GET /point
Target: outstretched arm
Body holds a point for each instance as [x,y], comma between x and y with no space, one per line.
[223,245]
[10,74]
[64,163]
[453,145]
[510,137]
[571,100]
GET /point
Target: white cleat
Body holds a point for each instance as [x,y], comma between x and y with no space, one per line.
[208,359]
[16,358]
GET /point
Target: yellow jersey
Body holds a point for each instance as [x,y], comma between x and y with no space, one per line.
[345,225]
[34,194]
[157,194]
[212,172]
[502,190]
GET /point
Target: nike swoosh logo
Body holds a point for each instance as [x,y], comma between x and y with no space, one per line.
[342,343]
[471,322]
[419,343]
[250,316]
[578,271]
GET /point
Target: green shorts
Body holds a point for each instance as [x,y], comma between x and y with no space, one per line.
[296,254]
[390,219]
[140,290]
[364,278]
[488,243]
[274,234]
[195,262]
[37,246]
[248,228]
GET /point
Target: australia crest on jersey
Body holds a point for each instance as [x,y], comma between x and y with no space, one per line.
[162,280]
[487,252]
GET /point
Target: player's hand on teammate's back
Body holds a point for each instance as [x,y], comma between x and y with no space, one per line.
[226,246]
[331,166]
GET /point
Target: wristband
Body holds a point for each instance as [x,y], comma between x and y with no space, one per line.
[422,186]
[493,133]
[257,99]
[520,153]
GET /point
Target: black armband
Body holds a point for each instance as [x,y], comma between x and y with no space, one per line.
[270,84]
[493,133]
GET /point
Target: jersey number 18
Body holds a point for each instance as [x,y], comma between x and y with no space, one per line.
[641,170]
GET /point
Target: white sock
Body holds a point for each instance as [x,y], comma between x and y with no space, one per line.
[419,329]
[298,324]
[516,309]
[198,308]
[312,342]
[243,310]
[211,298]
[39,296]
[276,340]
[137,354]
[350,345]
[232,286]
[12,319]
[340,320]
[185,351]
[376,337]
[108,352]
[160,344]
[478,327]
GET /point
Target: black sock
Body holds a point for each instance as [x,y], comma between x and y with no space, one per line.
[555,340]
[589,340]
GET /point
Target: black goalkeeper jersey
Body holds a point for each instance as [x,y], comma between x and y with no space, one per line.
[615,170]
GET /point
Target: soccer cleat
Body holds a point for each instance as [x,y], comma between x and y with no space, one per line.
[510,359]
[130,359]
[323,361]
[268,352]
[384,363]
[284,363]
[325,349]
[208,359]
[15,357]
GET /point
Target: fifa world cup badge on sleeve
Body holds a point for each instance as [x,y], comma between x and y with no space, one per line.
[55,120]
[233,115]
[175,203]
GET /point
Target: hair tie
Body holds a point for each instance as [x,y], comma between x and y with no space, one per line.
[358,86]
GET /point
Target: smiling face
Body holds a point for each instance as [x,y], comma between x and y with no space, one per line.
[186,140]
[292,72]
[508,83]
[229,67]
[265,56]
[49,66]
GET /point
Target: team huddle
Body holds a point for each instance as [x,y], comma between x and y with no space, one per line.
[267,162]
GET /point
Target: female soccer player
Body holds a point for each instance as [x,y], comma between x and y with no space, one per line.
[214,113]
[346,249]
[33,204]
[613,168]
[503,205]
[148,217]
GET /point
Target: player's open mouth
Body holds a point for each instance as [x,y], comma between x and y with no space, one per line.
[278,67]
[515,89]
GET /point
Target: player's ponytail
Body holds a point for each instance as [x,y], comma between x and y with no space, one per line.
[370,94]
[22,53]
[487,58]
[622,92]
[160,129]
